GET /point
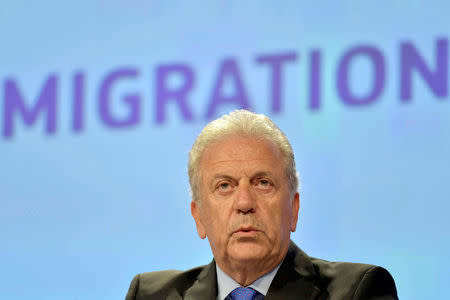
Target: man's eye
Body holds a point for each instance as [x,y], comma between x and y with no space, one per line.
[264,183]
[224,186]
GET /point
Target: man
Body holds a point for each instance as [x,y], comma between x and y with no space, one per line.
[245,201]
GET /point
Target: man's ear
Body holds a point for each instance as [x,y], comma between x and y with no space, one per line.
[295,205]
[195,211]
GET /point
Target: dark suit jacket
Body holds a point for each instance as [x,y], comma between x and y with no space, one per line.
[299,277]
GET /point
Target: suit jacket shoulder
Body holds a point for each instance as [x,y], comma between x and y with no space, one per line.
[303,277]
[173,284]
[343,280]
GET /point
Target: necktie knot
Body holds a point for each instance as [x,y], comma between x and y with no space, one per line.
[242,293]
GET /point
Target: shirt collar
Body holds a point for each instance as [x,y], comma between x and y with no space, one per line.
[226,284]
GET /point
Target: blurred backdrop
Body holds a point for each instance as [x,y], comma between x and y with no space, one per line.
[100,102]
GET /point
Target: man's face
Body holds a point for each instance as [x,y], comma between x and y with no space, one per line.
[246,208]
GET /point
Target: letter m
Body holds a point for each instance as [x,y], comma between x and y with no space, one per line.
[14,105]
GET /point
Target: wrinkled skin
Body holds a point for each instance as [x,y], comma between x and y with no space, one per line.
[245,208]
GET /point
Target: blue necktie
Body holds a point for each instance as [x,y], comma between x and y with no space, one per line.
[243,293]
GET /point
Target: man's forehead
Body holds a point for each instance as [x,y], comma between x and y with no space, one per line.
[240,157]
[221,175]
[237,148]
[249,168]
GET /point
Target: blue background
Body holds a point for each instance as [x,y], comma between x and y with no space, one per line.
[82,213]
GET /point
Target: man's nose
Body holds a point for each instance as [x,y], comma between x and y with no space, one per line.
[245,200]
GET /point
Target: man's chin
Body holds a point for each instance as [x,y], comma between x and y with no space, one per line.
[247,249]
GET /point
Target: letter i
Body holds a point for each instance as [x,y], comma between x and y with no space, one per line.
[78,101]
[314,80]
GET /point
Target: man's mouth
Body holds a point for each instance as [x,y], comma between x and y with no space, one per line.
[247,230]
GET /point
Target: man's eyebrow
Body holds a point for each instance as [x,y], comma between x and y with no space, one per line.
[261,174]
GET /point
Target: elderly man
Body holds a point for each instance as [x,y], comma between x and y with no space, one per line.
[245,201]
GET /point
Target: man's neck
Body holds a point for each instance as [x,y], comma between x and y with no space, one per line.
[246,273]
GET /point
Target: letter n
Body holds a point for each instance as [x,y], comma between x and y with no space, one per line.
[46,103]
[436,80]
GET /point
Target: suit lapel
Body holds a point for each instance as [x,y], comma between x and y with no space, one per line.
[173,295]
[295,279]
[205,287]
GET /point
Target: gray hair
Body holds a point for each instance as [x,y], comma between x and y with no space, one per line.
[245,123]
